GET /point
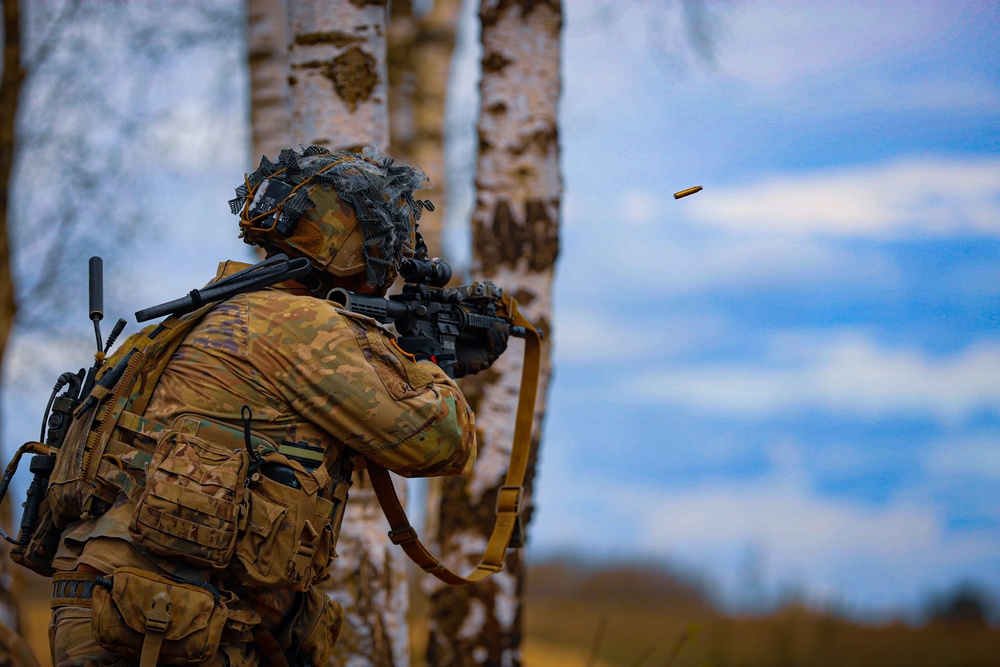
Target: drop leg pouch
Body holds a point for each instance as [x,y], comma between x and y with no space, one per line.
[152,618]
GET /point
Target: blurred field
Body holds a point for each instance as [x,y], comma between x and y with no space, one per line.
[641,616]
[632,616]
[35,592]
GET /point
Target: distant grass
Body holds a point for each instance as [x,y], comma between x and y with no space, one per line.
[646,620]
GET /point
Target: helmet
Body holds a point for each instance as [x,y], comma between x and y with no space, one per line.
[346,213]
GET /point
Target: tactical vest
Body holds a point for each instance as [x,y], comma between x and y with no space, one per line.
[208,494]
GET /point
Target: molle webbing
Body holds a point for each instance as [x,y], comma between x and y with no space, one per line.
[109,443]
[73,589]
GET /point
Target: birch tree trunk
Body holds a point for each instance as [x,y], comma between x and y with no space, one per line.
[318,76]
[515,243]
[270,103]
[337,73]
[420,51]
[10,91]
[338,92]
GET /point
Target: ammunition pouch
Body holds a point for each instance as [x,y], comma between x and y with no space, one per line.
[190,506]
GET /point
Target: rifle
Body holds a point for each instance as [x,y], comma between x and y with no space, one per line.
[448,318]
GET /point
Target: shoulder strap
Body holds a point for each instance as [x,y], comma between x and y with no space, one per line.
[509,498]
[123,392]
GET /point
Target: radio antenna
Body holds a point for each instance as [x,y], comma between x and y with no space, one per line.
[97,297]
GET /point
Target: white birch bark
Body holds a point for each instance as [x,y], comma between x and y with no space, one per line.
[338,78]
[419,55]
[515,243]
[334,83]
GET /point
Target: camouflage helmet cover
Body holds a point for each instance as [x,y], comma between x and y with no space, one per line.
[346,213]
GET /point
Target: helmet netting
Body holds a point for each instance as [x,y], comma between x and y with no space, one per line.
[379,190]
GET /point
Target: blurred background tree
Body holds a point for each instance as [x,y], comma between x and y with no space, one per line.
[76,119]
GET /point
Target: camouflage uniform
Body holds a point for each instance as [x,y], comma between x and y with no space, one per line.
[312,375]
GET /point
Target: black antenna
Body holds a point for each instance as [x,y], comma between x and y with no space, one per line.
[97,297]
[117,331]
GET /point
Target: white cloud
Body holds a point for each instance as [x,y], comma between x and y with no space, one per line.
[903,198]
[973,456]
[791,521]
[831,548]
[654,260]
[585,335]
[775,43]
[846,374]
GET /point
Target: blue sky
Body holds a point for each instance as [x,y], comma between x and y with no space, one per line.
[792,376]
[788,381]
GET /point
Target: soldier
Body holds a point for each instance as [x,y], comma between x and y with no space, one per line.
[257,420]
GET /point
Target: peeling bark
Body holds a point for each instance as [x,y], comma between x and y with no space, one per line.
[515,244]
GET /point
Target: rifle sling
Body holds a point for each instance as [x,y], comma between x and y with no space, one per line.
[508,498]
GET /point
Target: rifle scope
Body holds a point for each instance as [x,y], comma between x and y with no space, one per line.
[434,272]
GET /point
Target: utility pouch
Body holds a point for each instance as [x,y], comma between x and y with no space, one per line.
[288,538]
[190,506]
[313,631]
[108,443]
[71,486]
[154,619]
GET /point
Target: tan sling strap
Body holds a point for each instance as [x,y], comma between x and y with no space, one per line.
[509,497]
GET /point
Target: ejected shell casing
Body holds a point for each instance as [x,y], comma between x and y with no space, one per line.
[689,191]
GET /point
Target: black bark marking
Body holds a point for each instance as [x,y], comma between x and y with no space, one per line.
[506,240]
[497,108]
[490,15]
[493,62]
[334,37]
[353,75]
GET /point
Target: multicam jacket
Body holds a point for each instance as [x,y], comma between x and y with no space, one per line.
[315,377]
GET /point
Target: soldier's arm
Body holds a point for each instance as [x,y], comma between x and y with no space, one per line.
[344,373]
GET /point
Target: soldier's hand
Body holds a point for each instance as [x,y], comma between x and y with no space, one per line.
[474,358]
